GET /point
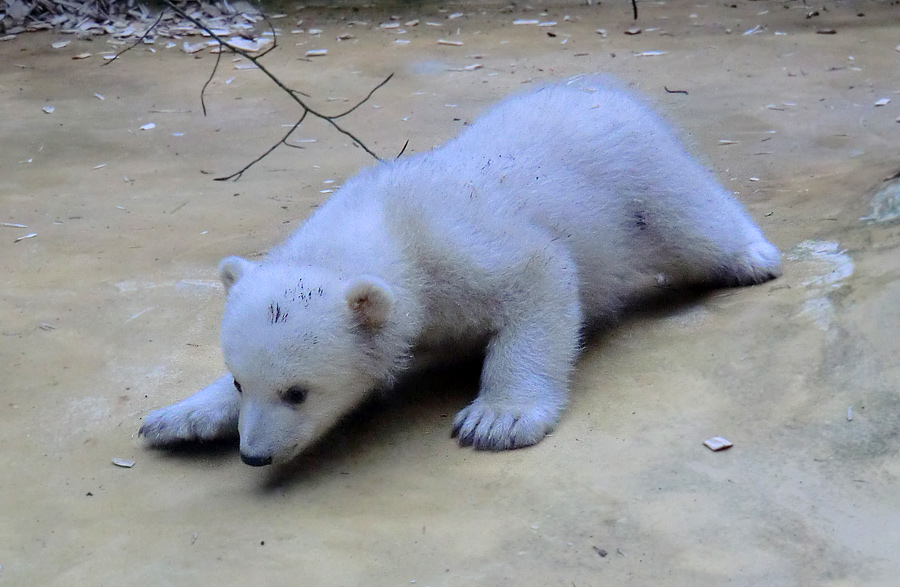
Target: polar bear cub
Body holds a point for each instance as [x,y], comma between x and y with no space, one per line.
[550,211]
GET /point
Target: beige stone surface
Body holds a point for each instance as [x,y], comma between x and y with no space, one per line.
[112,310]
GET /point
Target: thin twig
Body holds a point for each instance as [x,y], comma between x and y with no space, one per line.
[215,68]
[237,175]
[274,36]
[634,8]
[674,91]
[403,150]
[139,41]
[209,80]
[364,100]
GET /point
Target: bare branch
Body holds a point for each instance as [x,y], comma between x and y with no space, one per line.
[292,93]
[295,95]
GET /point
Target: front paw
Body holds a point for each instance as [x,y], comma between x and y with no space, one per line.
[488,427]
[187,421]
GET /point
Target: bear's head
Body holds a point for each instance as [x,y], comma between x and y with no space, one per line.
[305,346]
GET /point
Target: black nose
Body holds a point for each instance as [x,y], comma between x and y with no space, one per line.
[256,461]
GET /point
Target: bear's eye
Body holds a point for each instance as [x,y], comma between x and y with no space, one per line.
[295,395]
[237,386]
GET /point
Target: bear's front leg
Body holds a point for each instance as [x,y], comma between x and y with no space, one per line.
[527,368]
[209,414]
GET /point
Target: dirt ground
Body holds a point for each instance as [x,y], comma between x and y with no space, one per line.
[112,310]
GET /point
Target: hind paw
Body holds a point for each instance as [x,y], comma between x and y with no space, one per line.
[759,263]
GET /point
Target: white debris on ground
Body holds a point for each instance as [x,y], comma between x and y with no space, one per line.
[126,20]
[717,443]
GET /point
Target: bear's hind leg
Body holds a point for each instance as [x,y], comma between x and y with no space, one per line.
[713,242]
[209,414]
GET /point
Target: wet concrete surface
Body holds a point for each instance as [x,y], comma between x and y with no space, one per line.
[112,310]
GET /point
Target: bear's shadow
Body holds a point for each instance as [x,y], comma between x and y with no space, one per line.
[430,399]
[203,452]
[427,401]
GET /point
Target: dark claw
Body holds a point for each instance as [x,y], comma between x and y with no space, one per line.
[468,439]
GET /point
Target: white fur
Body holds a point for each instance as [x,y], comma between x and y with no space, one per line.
[552,210]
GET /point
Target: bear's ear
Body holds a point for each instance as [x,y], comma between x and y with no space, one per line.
[370,300]
[231,269]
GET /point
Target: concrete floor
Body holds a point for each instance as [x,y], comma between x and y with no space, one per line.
[113,308]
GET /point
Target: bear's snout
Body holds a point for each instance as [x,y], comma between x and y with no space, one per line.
[256,461]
